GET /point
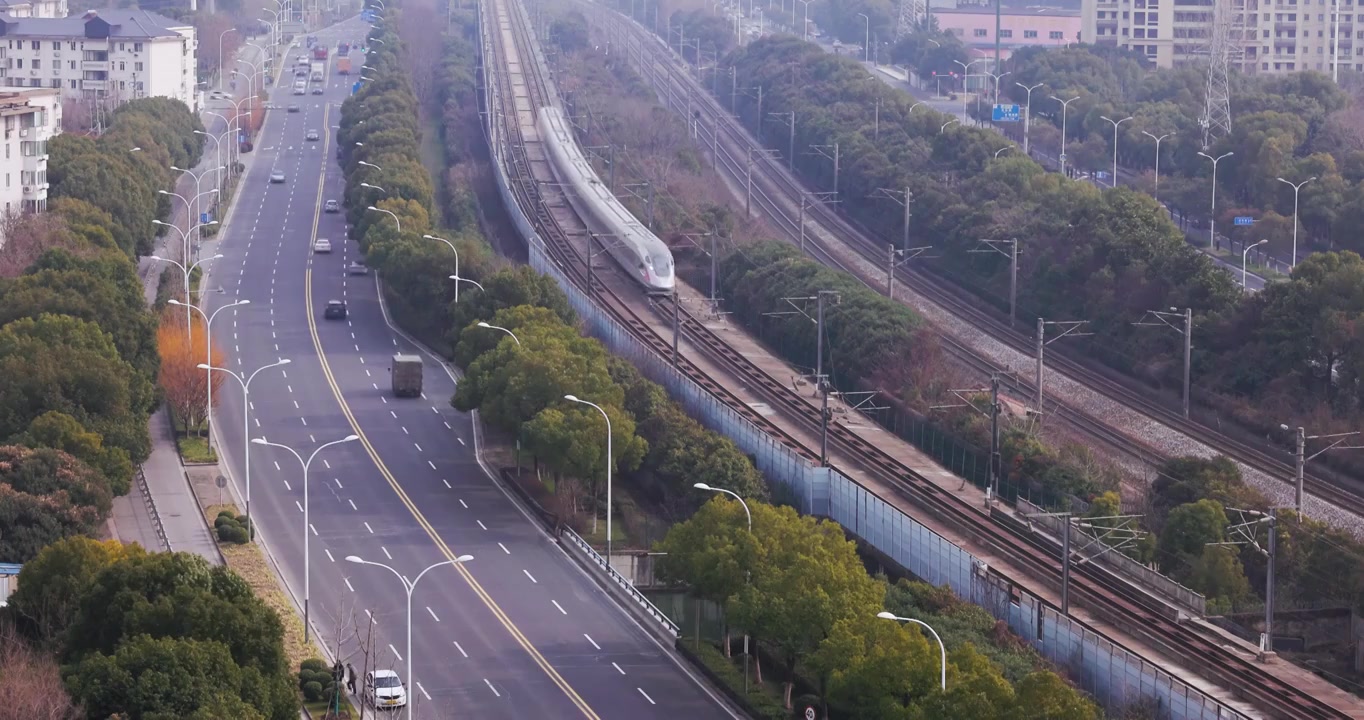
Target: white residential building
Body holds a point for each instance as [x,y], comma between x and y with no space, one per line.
[1271,36]
[28,119]
[34,8]
[111,55]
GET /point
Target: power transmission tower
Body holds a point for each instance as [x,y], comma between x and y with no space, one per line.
[1223,42]
[908,15]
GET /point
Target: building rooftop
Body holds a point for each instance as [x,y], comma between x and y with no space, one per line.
[118,24]
[1038,11]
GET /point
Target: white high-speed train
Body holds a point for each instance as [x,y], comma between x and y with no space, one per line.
[643,256]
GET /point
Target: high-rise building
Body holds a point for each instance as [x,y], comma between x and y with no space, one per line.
[1267,36]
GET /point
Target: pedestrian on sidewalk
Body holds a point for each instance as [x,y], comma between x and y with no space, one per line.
[350,678]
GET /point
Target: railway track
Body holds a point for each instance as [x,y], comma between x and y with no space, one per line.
[775,191]
[522,92]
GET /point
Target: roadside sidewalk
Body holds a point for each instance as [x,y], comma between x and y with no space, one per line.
[164,498]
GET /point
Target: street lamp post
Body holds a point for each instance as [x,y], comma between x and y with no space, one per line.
[866,37]
[246,428]
[1027,112]
[1244,256]
[573,398]
[391,214]
[1115,124]
[307,559]
[965,73]
[459,280]
[218,151]
[208,354]
[1156,194]
[1296,188]
[1065,105]
[1212,212]
[409,586]
[505,330]
[222,74]
[997,78]
[943,129]
[456,252]
[186,272]
[920,623]
[749,515]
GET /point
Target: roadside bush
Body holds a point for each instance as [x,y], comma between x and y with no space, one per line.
[231,528]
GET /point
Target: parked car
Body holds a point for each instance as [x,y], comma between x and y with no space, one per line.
[276,176]
[336,310]
[332,206]
[322,245]
[357,268]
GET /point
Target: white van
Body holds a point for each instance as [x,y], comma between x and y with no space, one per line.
[300,87]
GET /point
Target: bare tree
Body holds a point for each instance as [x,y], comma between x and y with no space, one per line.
[423,44]
[33,689]
[26,237]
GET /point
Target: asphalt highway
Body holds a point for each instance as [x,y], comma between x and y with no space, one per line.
[518,632]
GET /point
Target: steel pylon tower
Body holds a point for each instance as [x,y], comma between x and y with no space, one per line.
[908,15]
[1223,42]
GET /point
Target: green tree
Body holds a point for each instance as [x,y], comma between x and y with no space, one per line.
[91,383]
[62,432]
[178,595]
[46,495]
[1188,529]
[711,553]
[872,666]
[807,579]
[52,584]
[164,678]
[103,290]
[1044,695]
[1218,574]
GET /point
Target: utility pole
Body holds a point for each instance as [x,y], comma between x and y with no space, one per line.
[904,198]
[748,177]
[791,146]
[677,304]
[1065,566]
[906,255]
[821,380]
[820,150]
[999,246]
[1301,457]
[820,197]
[1162,317]
[1068,328]
[967,398]
[1244,533]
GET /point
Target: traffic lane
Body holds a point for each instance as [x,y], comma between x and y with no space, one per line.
[576,626]
[461,653]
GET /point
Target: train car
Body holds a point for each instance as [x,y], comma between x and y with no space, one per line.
[643,256]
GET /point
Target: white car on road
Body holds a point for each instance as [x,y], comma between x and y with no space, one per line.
[383,690]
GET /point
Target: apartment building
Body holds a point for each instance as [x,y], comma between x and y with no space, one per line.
[28,119]
[1269,36]
[111,56]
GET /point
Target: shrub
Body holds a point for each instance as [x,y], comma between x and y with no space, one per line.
[312,691]
[232,533]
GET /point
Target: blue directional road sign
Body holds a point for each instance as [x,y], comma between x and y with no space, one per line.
[355,88]
[1243,220]
[203,218]
[1005,113]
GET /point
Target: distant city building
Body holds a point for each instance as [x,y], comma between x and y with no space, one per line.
[1270,37]
[107,57]
[1021,24]
[34,8]
[28,119]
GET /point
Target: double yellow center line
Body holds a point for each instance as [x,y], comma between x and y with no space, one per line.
[393,482]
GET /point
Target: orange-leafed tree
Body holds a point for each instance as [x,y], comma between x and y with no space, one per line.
[182,351]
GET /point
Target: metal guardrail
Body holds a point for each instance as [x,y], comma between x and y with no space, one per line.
[621,581]
[141,478]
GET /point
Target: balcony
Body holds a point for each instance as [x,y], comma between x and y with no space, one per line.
[96,65]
